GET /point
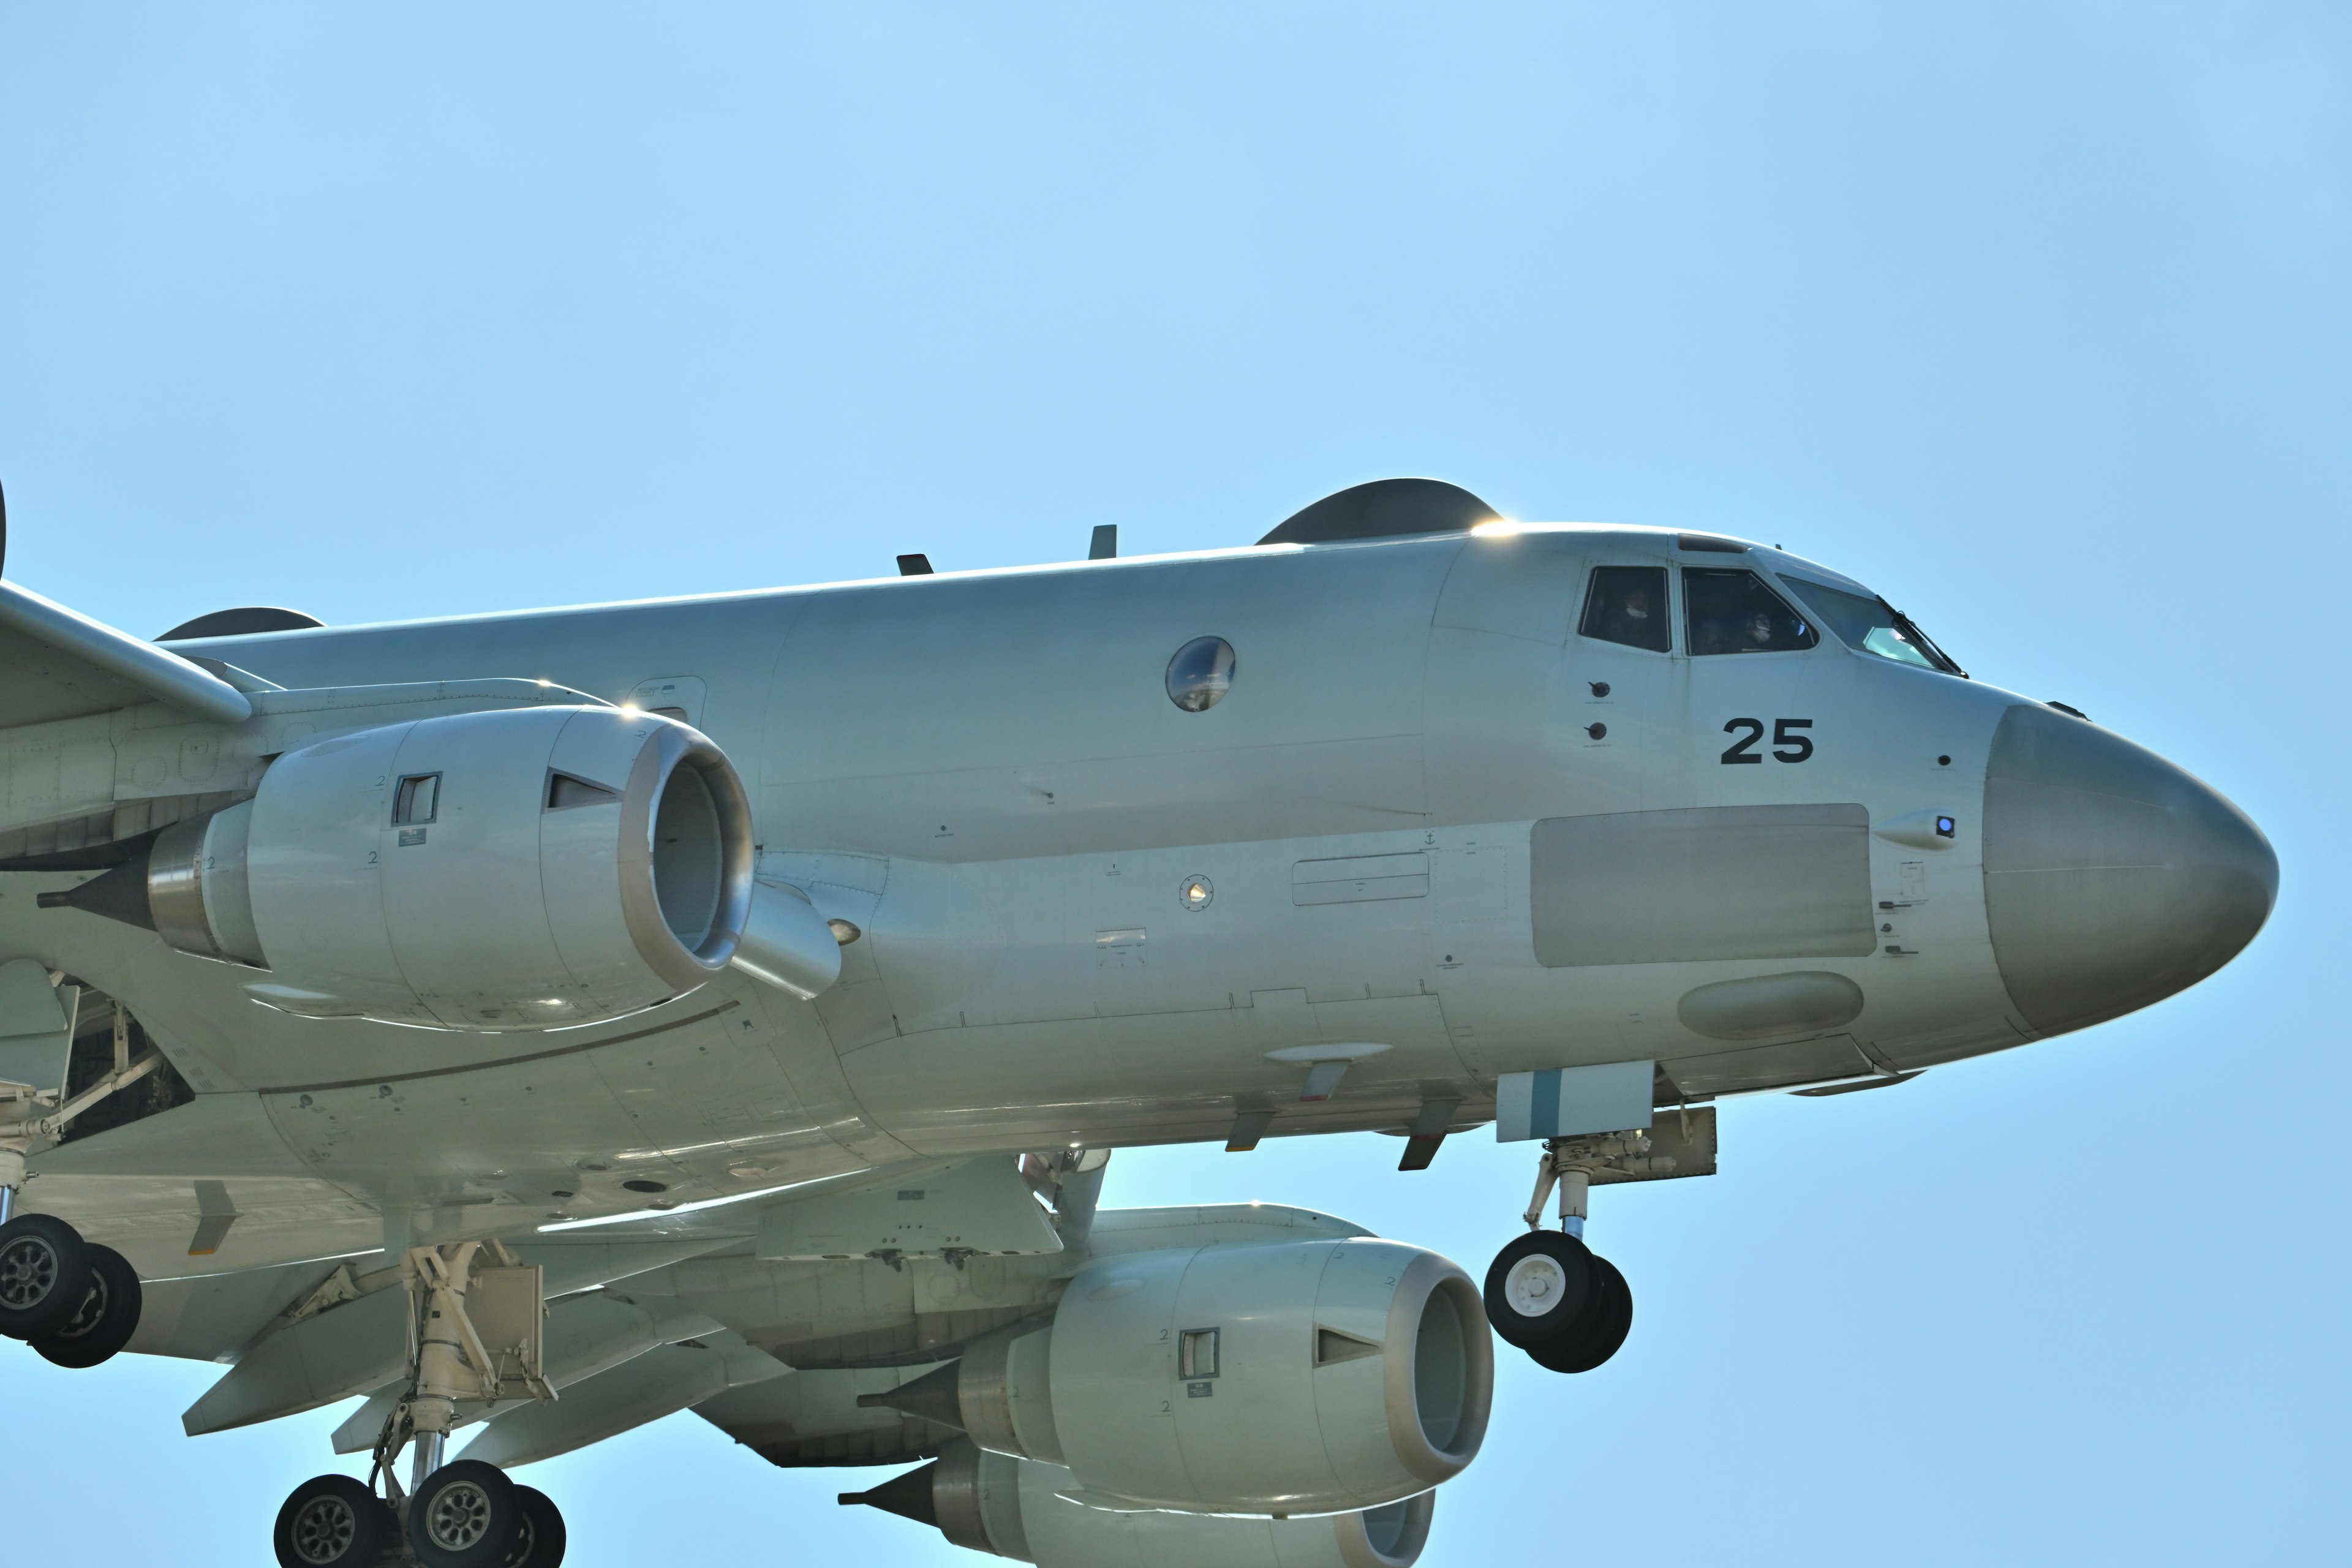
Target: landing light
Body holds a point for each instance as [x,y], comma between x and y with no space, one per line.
[1501,528]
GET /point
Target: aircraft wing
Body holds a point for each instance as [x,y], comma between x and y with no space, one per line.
[57,663]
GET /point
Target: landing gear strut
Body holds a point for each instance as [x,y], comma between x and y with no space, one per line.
[1546,1292]
[76,1302]
[473,1338]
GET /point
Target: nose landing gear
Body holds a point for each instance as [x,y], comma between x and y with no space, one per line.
[1600,1336]
[1546,1292]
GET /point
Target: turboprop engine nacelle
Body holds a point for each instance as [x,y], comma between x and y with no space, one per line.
[1017,1509]
[1285,1377]
[520,869]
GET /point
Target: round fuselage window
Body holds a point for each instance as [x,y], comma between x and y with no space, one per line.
[1200,674]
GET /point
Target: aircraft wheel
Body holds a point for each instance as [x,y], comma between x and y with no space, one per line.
[44,1274]
[107,1317]
[1610,1325]
[539,1542]
[331,1522]
[1543,1287]
[465,1515]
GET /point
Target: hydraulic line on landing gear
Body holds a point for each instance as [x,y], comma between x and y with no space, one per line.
[473,1336]
[1571,1163]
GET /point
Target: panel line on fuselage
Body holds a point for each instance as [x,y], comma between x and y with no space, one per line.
[502,1061]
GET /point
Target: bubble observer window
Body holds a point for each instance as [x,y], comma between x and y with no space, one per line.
[1734,612]
[1871,625]
[1200,674]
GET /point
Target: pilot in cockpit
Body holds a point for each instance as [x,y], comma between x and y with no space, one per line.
[1732,611]
[1627,605]
[1632,617]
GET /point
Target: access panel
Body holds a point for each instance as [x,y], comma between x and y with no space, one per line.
[1708,883]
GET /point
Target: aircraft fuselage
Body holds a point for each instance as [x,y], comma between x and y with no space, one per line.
[1434,830]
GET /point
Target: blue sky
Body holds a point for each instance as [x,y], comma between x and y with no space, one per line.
[2033,316]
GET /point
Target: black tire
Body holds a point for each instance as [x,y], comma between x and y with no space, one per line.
[44,1274]
[1542,1288]
[1611,1325]
[465,1515]
[331,1522]
[107,1317]
[539,1542]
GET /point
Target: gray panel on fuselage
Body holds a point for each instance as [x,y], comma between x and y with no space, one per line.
[1710,882]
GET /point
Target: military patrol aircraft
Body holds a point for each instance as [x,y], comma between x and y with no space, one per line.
[539,1023]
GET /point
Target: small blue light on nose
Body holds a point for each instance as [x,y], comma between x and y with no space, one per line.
[1946,828]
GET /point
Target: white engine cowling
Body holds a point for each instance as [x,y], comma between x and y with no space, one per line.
[1285,1377]
[1019,1509]
[515,869]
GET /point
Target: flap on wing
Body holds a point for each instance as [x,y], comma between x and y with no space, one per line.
[56,663]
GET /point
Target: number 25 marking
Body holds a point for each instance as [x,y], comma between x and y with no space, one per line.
[1788,745]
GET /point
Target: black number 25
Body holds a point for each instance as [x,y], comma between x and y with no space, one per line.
[1789,746]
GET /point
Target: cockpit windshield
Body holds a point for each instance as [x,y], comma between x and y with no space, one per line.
[1871,626]
[1733,612]
[1628,605]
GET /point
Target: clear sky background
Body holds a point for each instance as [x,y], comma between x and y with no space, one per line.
[2035,315]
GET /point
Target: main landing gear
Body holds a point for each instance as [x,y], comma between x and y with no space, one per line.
[331,1522]
[1546,1292]
[74,1302]
[466,1514]
[474,1338]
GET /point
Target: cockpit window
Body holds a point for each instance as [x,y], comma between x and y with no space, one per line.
[1628,605]
[1872,624]
[1734,612]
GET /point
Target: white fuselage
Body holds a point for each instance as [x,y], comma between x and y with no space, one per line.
[983,772]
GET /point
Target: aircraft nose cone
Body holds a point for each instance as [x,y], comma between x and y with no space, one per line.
[2112,878]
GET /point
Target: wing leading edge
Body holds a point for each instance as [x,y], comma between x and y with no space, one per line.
[57,663]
